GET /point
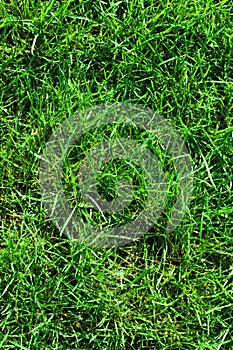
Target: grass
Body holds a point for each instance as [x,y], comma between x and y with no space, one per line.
[169,291]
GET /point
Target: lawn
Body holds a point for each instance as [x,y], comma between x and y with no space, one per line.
[166,290]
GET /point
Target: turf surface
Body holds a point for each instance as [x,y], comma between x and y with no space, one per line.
[164,291]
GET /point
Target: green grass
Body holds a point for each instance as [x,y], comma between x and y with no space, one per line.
[171,291]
